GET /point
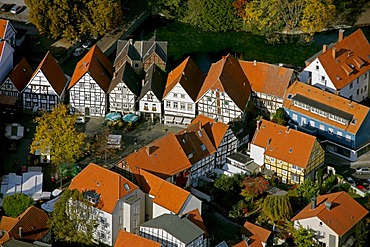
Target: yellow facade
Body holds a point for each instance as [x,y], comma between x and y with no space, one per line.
[294,173]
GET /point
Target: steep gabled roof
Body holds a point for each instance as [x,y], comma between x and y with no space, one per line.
[156,48]
[108,184]
[227,76]
[216,131]
[154,81]
[344,212]
[256,232]
[157,157]
[3,25]
[125,48]
[188,75]
[53,73]
[195,217]
[334,104]
[165,193]
[128,239]
[267,78]
[195,142]
[351,59]
[127,75]
[283,143]
[21,74]
[97,65]
[33,223]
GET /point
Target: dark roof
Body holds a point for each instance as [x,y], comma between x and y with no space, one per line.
[323,107]
[127,75]
[17,243]
[155,81]
[179,227]
[156,48]
[125,48]
[241,158]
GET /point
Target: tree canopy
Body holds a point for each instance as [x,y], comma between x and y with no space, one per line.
[253,186]
[302,237]
[16,204]
[277,208]
[74,19]
[71,214]
[56,134]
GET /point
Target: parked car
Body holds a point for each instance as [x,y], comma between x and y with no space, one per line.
[78,52]
[80,120]
[362,170]
[16,9]
[5,7]
[88,43]
[351,181]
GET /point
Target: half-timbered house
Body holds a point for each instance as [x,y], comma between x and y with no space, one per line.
[89,84]
[47,86]
[124,90]
[225,92]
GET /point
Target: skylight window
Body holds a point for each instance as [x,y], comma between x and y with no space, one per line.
[127,187]
[203,147]
[290,96]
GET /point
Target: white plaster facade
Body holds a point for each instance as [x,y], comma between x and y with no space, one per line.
[122,100]
[179,108]
[150,104]
[257,153]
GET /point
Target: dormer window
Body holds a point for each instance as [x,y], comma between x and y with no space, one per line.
[290,96]
[203,147]
[200,133]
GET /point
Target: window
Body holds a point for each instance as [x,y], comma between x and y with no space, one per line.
[175,105]
[283,180]
[358,91]
[351,85]
[284,172]
[203,147]
[154,107]
[190,107]
[267,166]
[294,178]
[209,98]
[295,117]
[92,85]
[339,134]
[312,123]
[365,76]
[348,137]
[87,97]
[146,106]
[365,88]
[175,95]
[182,96]
[317,67]
[226,102]
[149,97]
[272,159]
[182,106]
[331,131]
[297,168]
[168,104]
[322,78]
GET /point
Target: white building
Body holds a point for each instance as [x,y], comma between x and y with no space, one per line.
[331,218]
[47,86]
[17,80]
[120,203]
[89,84]
[341,68]
[150,99]
[124,90]
[182,87]
[173,230]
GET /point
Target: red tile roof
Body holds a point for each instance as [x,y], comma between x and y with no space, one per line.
[165,193]
[267,78]
[285,144]
[216,131]
[345,212]
[257,232]
[53,73]
[358,111]
[21,74]
[188,75]
[3,24]
[33,222]
[227,76]
[195,217]
[127,239]
[158,157]
[353,51]
[191,140]
[97,65]
[108,184]
[2,45]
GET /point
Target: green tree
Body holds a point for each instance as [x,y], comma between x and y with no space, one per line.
[56,134]
[277,208]
[215,16]
[362,233]
[71,214]
[16,204]
[73,19]
[279,117]
[302,237]
[253,187]
[307,190]
[229,183]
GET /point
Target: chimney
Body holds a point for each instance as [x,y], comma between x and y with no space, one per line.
[328,205]
[313,203]
[20,232]
[324,48]
[340,35]
[334,52]
[255,62]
